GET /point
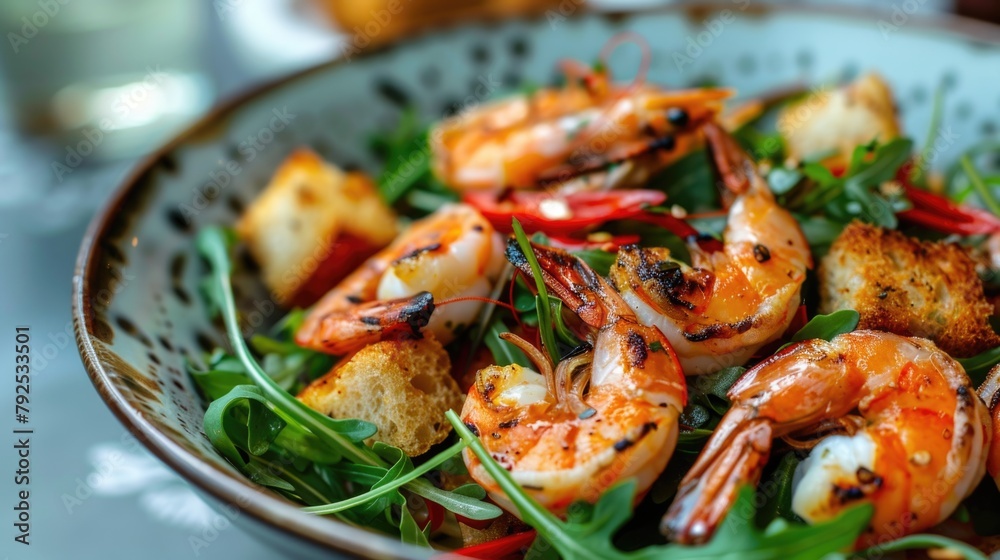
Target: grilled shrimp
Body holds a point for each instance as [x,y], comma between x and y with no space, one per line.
[453,253]
[989,391]
[583,129]
[727,304]
[606,412]
[911,436]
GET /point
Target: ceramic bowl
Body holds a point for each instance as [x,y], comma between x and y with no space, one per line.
[137,310]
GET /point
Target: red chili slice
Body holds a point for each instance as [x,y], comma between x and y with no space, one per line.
[612,243]
[937,212]
[499,548]
[561,215]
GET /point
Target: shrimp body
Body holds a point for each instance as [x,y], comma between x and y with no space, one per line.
[912,436]
[989,391]
[727,304]
[608,412]
[528,140]
[452,253]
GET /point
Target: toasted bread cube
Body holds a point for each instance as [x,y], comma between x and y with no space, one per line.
[908,287]
[837,121]
[313,225]
[403,387]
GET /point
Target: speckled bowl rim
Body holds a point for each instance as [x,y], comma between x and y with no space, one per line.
[263,506]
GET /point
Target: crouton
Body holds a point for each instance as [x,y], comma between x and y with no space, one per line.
[908,287]
[312,225]
[402,386]
[837,121]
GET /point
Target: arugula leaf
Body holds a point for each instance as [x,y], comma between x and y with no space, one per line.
[977,182]
[504,354]
[689,182]
[776,490]
[981,506]
[597,259]
[956,178]
[782,179]
[410,532]
[220,377]
[921,542]
[563,333]
[819,230]
[710,390]
[290,365]
[979,365]
[407,157]
[828,326]
[241,420]
[542,305]
[855,194]
[385,491]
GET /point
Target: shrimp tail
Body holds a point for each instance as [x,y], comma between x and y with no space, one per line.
[710,488]
[341,332]
[732,162]
[581,289]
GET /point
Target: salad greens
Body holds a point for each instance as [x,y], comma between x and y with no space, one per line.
[266,432]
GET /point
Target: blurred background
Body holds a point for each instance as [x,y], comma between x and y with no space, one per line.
[87,87]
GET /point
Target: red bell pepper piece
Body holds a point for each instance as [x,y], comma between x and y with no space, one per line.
[561,215]
[499,548]
[435,516]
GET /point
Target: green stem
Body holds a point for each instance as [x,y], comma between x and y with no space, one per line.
[917,172]
[542,302]
[390,487]
[981,188]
